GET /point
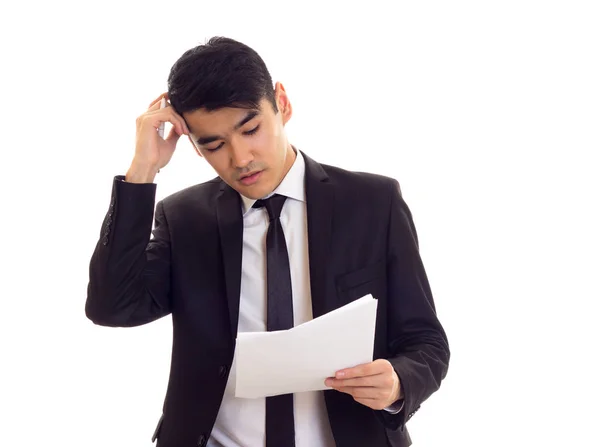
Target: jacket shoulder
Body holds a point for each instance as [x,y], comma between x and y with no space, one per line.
[200,193]
[357,181]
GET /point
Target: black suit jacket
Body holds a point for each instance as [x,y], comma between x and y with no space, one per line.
[361,240]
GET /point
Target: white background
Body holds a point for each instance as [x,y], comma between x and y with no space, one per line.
[486,112]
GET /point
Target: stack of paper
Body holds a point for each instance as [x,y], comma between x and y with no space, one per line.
[301,358]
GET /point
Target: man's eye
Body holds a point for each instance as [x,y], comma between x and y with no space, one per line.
[212,149]
[253,131]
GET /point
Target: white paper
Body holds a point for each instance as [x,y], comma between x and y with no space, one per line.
[301,358]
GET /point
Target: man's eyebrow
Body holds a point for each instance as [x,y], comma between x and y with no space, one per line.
[210,138]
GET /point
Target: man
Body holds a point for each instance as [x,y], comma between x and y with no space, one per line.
[275,240]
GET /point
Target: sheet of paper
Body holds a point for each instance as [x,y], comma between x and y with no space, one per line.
[301,358]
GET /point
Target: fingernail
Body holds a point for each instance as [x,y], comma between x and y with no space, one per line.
[340,374]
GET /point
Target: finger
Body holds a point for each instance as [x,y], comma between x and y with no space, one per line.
[358,392]
[366,369]
[173,136]
[378,366]
[186,129]
[182,127]
[362,392]
[168,115]
[375,402]
[376,380]
[157,100]
[156,106]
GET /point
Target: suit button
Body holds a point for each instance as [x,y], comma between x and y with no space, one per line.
[223,371]
[202,441]
[105,241]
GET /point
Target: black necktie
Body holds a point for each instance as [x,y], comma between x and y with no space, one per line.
[280,316]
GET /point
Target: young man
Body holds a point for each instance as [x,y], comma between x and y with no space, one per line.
[275,240]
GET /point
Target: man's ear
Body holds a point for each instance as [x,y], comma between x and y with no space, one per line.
[194,145]
[283,102]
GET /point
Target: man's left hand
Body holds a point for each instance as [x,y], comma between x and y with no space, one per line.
[374,384]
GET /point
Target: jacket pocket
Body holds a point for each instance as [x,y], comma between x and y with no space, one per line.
[361,282]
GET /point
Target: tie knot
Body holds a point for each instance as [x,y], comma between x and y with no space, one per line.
[273,204]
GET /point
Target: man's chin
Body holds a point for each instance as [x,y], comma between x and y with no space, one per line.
[254,192]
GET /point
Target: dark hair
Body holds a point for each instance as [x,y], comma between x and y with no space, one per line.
[221,73]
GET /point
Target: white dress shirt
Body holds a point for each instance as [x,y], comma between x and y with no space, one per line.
[241,422]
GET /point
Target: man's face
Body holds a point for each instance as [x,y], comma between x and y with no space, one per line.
[247,148]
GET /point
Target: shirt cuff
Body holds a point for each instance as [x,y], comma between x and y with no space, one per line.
[396,407]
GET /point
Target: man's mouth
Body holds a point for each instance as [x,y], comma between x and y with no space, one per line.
[250,178]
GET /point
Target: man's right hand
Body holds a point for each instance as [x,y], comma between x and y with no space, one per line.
[151,151]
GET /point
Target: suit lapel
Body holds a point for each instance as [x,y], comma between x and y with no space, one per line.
[319,210]
[231,227]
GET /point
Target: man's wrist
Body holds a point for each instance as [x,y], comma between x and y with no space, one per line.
[399,395]
[141,174]
[396,407]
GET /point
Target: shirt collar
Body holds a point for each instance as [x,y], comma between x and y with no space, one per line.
[292,186]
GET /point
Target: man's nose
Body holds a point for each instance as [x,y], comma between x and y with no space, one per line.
[241,155]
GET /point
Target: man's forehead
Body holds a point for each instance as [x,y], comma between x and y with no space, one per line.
[207,126]
[223,113]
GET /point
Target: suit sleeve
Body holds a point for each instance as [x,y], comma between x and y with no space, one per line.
[129,282]
[416,340]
